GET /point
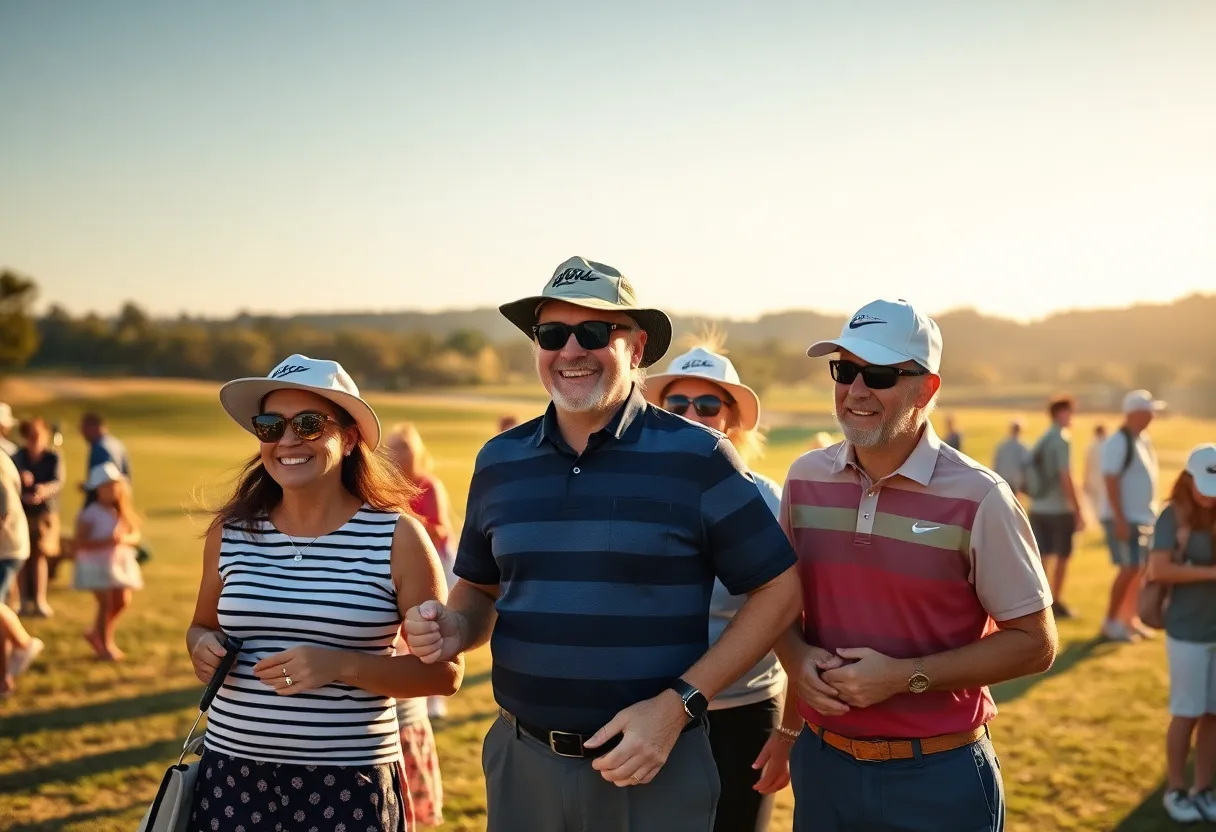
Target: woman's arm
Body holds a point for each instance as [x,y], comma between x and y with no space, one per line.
[50,489]
[203,636]
[418,577]
[1162,568]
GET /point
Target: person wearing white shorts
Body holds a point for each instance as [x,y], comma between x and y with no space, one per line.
[1182,556]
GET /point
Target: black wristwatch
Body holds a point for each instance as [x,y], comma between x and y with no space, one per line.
[695,703]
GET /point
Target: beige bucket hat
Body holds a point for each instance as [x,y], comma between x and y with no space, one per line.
[592,285]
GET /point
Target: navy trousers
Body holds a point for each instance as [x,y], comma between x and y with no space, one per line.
[951,791]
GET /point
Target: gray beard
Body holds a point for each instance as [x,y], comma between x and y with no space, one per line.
[892,426]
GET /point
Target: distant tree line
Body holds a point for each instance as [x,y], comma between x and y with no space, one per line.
[1167,348]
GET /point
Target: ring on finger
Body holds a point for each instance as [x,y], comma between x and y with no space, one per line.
[288,680]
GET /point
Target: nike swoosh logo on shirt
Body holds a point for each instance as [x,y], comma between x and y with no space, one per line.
[917,528]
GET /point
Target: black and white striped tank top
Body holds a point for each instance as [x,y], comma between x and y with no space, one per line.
[336,592]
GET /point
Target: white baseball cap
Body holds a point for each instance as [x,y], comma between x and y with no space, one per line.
[1201,465]
[592,285]
[888,332]
[1139,401]
[101,474]
[6,416]
[242,398]
[701,363]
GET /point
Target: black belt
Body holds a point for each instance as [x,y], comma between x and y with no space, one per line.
[568,743]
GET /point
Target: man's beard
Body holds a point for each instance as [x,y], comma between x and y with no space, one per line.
[899,422]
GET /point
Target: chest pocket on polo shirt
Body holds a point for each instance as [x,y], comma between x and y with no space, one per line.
[640,527]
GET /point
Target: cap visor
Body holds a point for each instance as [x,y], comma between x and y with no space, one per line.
[1205,484]
[867,351]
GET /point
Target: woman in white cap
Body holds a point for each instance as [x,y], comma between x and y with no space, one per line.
[107,530]
[312,564]
[1182,556]
[703,385]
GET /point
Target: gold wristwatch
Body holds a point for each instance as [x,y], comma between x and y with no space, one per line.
[918,682]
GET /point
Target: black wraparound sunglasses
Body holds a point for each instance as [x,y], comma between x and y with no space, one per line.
[591,335]
[308,425]
[875,376]
[708,405]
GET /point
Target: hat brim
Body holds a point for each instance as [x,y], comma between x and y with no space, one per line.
[867,351]
[654,322]
[1148,407]
[746,400]
[242,399]
[1205,484]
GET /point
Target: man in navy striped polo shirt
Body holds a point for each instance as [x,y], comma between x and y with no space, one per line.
[591,541]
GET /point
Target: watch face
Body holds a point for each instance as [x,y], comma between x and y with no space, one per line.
[695,705]
[918,683]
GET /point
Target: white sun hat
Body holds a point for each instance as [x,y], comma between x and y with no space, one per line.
[1201,464]
[243,397]
[101,474]
[701,363]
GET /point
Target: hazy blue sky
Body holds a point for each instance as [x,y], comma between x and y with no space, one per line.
[732,158]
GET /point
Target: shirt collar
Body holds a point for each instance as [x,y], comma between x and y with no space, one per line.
[918,467]
[624,426]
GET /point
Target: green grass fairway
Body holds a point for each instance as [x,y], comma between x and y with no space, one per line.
[83,744]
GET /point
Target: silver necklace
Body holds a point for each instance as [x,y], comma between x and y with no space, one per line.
[300,552]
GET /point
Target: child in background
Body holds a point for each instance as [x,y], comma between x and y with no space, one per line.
[421,757]
[107,532]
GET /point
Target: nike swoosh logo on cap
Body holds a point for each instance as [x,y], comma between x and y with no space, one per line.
[857,323]
[917,528]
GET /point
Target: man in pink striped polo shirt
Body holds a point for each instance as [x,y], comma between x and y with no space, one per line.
[921,586]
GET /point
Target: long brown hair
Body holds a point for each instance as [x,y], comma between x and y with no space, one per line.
[366,474]
[1187,511]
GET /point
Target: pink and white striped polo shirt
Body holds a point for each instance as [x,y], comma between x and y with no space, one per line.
[922,561]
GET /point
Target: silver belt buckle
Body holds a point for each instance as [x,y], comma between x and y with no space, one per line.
[576,739]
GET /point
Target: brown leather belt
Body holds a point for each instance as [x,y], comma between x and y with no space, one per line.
[880,750]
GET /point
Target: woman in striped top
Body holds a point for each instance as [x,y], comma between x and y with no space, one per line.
[312,563]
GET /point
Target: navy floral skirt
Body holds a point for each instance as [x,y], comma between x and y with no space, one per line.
[239,795]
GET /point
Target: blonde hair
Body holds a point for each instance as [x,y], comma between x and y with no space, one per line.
[749,444]
[424,463]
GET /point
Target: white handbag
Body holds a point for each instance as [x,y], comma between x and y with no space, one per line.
[170,811]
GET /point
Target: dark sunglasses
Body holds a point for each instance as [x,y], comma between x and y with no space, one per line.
[308,425]
[875,376]
[591,335]
[708,405]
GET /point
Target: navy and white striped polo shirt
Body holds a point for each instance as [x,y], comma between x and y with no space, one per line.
[605,561]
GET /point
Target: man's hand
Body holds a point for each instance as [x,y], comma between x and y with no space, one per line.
[1122,531]
[650,729]
[813,688]
[1078,520]
[869,679]
[433,632]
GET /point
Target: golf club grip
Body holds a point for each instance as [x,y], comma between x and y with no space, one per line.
[233,647]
